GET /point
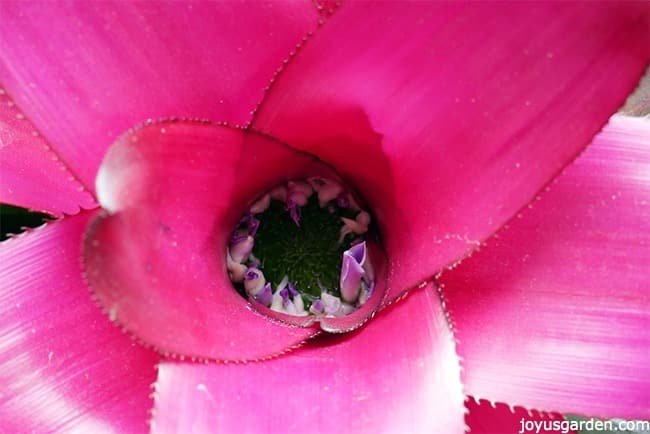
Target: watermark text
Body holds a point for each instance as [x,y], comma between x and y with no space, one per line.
[567,426]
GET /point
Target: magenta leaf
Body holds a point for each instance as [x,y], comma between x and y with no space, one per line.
[485,417]
[398,375]
[156,259]
[63,366]
[449,117]
[32,174]
[554,312]
[91,70]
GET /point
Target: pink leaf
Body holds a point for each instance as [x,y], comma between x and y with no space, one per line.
[399,374]
[554,313]
[32,175]
[157,260]
[63,366]
[449,117]
[84,72]
[485,418]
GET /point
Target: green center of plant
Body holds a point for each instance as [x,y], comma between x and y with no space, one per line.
[300,249]
[309,254]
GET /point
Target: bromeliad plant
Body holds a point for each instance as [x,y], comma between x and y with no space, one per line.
[426,128]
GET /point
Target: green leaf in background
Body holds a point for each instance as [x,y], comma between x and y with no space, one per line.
[13,219]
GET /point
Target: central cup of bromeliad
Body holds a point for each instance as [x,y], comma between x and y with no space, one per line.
[302,249]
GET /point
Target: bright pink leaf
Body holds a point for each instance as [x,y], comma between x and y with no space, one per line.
[484,418]
[157,262]
[63,366]
[398,374]
[449,117]
[31,175]
[84,72]
[554,313]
